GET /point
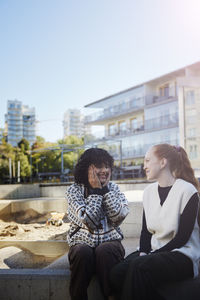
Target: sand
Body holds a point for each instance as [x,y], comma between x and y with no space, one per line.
[30,225]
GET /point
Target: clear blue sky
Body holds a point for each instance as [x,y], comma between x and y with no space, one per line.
[60,54]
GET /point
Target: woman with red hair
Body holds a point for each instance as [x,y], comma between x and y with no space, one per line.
[169,248]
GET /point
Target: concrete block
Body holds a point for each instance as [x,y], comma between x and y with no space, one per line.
[19,191]
[58,288]
[29,284]
[41,205]
[39,291]
[42,248]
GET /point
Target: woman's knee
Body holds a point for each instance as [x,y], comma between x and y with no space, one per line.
[110,249]
[81,252]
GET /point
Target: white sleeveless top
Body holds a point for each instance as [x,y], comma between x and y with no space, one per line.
[163,221]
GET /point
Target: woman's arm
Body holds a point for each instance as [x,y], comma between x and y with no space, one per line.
[145,237]
[83,211]
[115,205]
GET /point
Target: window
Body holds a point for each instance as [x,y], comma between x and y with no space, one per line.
[193,152]
[191,116]
[111,129]
[164,91]
[122,126]
[190,98]
[134,124]
[192,132]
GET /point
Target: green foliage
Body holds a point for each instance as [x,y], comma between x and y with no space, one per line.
[25,168]
[45,157]
[39,143]
[24,145]
[6,153]
[71,140]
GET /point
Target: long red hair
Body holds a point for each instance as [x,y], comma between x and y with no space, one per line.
[178,160]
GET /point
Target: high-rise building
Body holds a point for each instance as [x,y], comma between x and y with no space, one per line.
[20,122]
[162,110]
[73,123]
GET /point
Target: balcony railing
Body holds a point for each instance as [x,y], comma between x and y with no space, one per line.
[151,99]
[161,122]
[116,110]
[151,124]
[139,151]
[126,132]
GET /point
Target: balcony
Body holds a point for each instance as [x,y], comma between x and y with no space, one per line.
[151,99]
[154,124]
[116,110]
[138,151]
[162,122]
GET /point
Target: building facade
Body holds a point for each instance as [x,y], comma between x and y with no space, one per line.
[162,110]
[20,122]
[73,123]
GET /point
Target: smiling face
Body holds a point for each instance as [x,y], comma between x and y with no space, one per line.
[153,165]
[103,172]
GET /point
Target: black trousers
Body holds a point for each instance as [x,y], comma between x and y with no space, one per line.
[85,261]
[137,277]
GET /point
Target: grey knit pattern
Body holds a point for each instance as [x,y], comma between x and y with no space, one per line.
[97,216]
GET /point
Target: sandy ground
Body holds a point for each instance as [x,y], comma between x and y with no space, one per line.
[29,225]
[26,226]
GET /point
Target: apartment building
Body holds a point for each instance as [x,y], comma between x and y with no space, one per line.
[20,122]
[73,123]
[163,110]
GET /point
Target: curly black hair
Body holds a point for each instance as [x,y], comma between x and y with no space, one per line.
[95,156]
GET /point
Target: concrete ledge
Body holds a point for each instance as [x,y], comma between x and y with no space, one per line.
[18,191]
[41,205]
[29,284]
[42,248]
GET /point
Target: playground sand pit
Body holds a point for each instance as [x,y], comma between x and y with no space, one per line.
[29,225]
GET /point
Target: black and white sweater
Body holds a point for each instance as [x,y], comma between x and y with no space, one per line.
[95,218]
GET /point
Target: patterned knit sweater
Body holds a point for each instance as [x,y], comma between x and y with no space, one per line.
[95,218]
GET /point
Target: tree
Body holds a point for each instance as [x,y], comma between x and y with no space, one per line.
[39,143]
[24,145]
[25,168]
[6,153]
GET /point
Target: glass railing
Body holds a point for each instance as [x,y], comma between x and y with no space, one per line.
[161,122]
[116,110]
[151,99]
[126,107]
[126,132]
[139,151]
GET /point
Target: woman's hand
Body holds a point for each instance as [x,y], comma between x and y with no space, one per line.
[143,253]
[108,178]
[93,178]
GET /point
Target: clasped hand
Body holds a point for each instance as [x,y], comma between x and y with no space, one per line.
[93,178]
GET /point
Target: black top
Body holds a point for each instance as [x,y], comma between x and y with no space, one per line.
[186,224]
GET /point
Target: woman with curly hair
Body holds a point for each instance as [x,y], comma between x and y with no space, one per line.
[96,208]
